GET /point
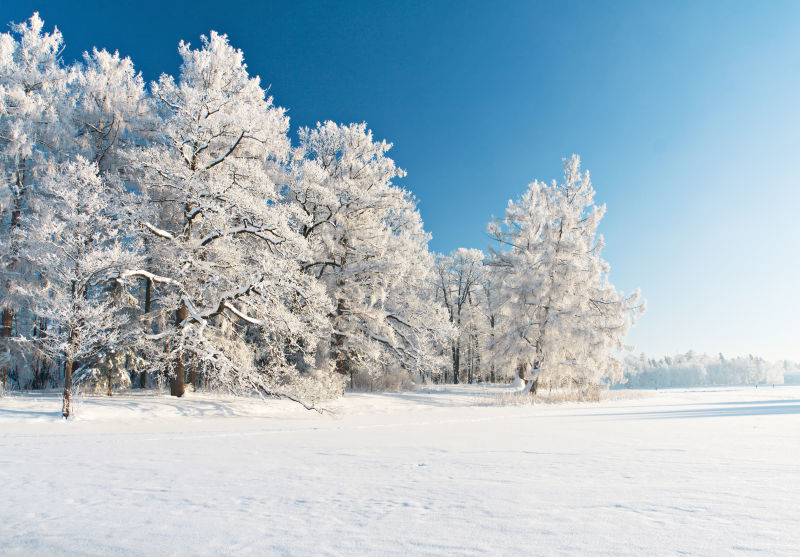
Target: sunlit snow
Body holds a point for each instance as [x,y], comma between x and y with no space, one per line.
[709,471]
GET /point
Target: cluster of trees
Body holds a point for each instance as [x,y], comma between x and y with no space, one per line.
[174,231]
[692,370]
[539,304]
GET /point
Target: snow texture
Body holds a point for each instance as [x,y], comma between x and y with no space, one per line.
[700,472]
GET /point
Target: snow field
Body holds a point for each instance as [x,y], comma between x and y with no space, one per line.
[700,472]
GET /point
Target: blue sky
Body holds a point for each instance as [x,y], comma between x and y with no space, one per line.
[686,114]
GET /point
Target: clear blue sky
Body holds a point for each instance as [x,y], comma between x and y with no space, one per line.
[686,114]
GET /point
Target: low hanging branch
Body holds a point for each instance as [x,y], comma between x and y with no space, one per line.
[259,233]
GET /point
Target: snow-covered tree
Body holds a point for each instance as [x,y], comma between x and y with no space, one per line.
[112,113]
[257,267]
[490,306]
[692,369]
[370,250]
[242,314]
[460,278]
[109,109]
[562,321]
[78,235]
[32,79]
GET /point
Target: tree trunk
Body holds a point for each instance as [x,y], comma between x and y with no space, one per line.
[456,361]
[176,386]
[40,369]
[476,350]
[176,383]
[148,301]
[468,367]
[532,383]
[338,344]
[7,322]
[193,377]
[5,333]
[491,324]
[67,388]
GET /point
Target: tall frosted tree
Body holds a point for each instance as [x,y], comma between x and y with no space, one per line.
[561,319]
[241,312]
[32,80]
[79,237]
[369,249]
[112,113]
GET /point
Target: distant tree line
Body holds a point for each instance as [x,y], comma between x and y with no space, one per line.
[173,233]
[692,370]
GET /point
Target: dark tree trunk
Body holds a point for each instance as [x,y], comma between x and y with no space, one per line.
[7,321]
[5,333]
[148,301]
[532,382]
[193,377]
[338,345]
[40,367]
[176,383]
[456,361]
[176,386]
[67,388]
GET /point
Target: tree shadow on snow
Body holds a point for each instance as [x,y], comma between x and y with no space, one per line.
[718,410]
[31,413]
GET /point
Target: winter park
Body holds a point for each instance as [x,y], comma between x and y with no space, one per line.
[335,278]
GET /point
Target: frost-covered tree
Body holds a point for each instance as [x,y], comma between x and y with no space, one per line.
[460,278]
[32,79]
[369,249]
[256,267]
[109,109]
[561,319]
[692,369]
[239,312]
[78,235]
[112,113]
[490,306]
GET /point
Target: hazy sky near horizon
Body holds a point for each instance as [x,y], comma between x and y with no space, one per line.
[687,115]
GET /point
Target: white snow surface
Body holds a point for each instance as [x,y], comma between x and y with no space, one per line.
[712,471]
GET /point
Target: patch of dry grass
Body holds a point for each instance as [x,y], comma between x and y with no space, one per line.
[556,396]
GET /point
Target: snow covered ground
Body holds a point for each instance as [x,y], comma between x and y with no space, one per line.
[713,471]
